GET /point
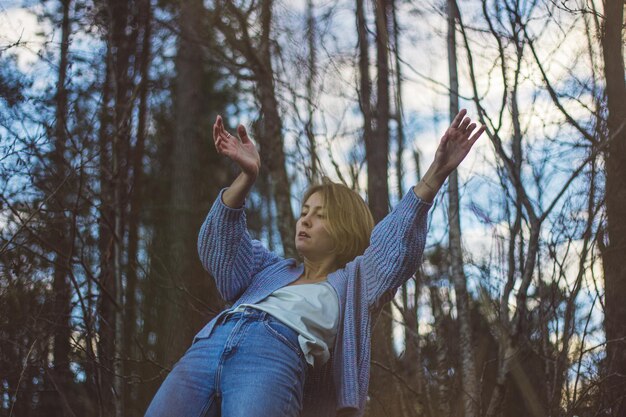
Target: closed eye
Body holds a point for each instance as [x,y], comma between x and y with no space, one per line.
[320,216]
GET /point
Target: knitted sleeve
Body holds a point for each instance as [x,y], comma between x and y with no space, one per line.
[228,252]
[395,251]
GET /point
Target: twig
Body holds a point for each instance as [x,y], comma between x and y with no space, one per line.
[19,381]
[67,177]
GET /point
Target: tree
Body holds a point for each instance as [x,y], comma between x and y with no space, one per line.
[466,348]
[615,229]
[383,384]
[250,55]
[528,215]
[185,311]
[137,181]
[60,378]
[115,143]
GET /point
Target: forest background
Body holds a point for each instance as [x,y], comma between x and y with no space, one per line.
[107,170]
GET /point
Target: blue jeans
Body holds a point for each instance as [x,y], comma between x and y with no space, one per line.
[250,365]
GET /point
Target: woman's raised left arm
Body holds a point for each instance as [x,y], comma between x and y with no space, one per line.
[397,242]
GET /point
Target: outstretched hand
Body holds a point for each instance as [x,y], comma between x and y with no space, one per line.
[457,142]
[242,151]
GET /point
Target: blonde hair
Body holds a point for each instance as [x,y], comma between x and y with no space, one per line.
[350,220]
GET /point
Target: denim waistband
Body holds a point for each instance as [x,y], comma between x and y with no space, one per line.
[247,312]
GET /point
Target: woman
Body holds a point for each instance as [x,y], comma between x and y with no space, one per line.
[297,339]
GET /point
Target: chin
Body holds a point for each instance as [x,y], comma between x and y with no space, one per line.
[301,251]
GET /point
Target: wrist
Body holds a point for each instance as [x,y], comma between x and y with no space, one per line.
[248,178]
[432,188]
[436,175]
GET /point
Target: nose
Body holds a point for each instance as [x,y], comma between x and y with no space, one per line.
[306,219]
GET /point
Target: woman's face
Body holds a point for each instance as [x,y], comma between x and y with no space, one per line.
[312,239]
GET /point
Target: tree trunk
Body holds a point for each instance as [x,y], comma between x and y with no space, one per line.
[61,375]
[273,155]
[114,139]
[123,42]
[398,101]
[384,385]
[365,85]
[272,152]
[106,303]
[377,150]
[189,291]
[130,307]
[441,377]
[615,197]
[309,126]
[469,387]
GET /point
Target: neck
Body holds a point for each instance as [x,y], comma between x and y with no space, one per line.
[318,270]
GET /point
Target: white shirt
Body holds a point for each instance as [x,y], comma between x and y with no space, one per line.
[312,310]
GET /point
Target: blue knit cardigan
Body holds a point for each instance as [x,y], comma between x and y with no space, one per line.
[246,272]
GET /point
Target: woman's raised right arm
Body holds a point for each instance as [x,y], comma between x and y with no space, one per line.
[224,245]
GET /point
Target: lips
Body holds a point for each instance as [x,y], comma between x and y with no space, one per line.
[303,234]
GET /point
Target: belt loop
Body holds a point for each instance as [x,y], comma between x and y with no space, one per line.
[248,311]
[256,313]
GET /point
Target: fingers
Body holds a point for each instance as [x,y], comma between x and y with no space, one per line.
[220,136]
[219,132]
[216,138]
[220,126]
[243,134]
[464,124]
[477,134]
[217,128]
[457,119]
[218,122]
